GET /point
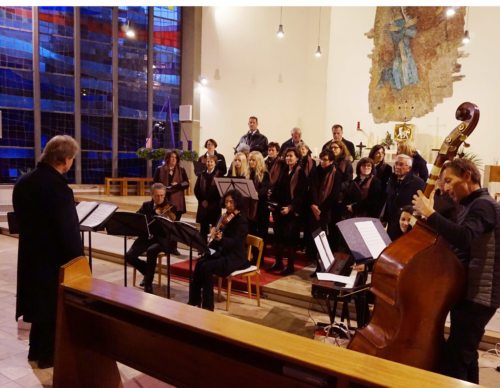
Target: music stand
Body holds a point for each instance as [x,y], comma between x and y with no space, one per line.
[171,231]
[186,234]
[127,225]
[95,221]
[358,243]
[246,187]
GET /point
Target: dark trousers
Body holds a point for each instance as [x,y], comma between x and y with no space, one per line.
[147,268]
[42,340]
[468,320]
[286,233]
[201,289]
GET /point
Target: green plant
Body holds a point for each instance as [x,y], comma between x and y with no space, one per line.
[474,158]
[159,154]
[189,156]
[387,141]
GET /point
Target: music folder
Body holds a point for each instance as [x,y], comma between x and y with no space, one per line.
[93,215]
[365,237]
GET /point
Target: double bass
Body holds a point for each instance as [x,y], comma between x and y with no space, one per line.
[416,280]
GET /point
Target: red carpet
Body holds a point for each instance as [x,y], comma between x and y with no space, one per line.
[181,271]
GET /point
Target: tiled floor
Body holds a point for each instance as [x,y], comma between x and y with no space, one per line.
[16,371]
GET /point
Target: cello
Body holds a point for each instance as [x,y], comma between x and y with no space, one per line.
[416,280]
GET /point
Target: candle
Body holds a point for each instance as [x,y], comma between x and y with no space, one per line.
[190,145]
[358,127]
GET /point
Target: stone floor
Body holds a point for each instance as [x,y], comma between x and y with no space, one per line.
[16,371]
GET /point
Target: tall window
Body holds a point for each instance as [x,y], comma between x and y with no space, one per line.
[57,71]
[16,92]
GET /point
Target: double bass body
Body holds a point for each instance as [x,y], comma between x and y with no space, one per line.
[416,280]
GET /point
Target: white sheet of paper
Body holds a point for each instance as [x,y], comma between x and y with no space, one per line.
[99,215]
[330,277]
[371,237]
[84,208]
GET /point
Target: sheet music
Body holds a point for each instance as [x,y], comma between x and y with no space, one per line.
[330,277]
[99,215]
[325,253]
[84,208]
[371,237]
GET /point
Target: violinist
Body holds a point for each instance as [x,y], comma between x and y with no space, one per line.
[156,242]
[475,238]
[228,243]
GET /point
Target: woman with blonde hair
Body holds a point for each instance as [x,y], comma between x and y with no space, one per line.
[260,178]
[239,166]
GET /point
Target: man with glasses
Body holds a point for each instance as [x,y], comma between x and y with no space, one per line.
[400,190]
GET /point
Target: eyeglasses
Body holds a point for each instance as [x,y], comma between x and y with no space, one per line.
[325,160]
[335,147]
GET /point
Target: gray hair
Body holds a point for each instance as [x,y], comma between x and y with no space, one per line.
[58,149]
[158,186]
[407,158]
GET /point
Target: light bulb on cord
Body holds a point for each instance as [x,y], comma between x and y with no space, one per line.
[466,38]
[450,12]
[317,54]
[280,33]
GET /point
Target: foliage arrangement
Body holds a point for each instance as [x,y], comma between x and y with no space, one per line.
[387,141]
[159,154]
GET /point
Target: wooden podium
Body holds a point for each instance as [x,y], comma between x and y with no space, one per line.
[99,323]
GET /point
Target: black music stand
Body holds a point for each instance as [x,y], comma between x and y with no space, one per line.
[127,225]
[357,243]
[94,221]
[246,187]
[187,234]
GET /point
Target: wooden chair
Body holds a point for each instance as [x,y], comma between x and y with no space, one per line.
[159,258]
[248,273]
[491,180]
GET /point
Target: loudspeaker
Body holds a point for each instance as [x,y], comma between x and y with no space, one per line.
[185,113]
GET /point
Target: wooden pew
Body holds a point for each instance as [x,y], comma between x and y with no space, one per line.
[124,182]
[99,323]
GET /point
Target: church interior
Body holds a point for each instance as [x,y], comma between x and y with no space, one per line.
[129,83]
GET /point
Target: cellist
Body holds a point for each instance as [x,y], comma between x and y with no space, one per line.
[475,237]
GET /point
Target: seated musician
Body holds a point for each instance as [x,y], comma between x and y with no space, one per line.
[474,237]
[229,240]
[156,242]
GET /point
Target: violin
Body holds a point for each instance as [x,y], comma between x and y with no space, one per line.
[221,224]
[166,210]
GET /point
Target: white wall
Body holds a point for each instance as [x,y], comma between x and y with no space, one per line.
[314,93]
[241,42]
